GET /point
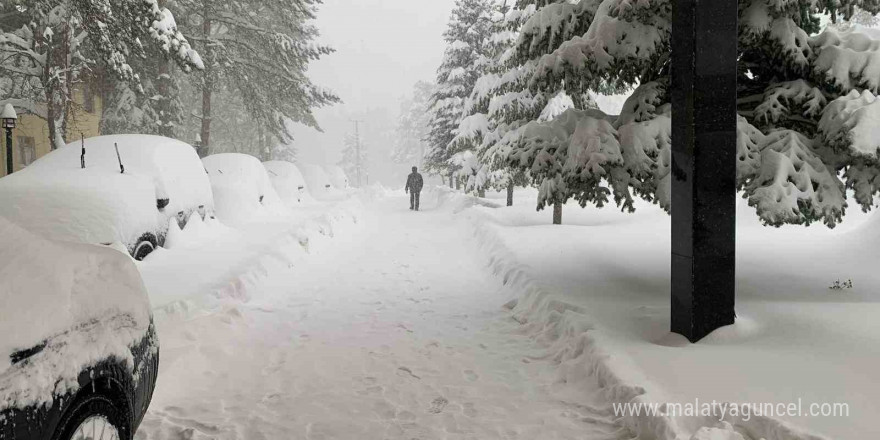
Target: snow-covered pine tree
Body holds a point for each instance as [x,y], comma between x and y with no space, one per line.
[354,159]
[473,133]
[466,37]
[153,108]
[285,152]
[861,17]
[808,105]
[540,27]
[47,46]
[259,51]
[412,127]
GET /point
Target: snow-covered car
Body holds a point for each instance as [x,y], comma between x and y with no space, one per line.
[242,189]
[319,183]
[78,349]
[288,182]
[57,198]
[337,177]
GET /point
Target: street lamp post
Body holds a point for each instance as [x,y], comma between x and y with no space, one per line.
[9,119]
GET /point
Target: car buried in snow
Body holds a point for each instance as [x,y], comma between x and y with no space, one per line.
[110,189]
[243,192]
[79,353]
[288,182]
[320,184]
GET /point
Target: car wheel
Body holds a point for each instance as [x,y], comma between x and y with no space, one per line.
[94,417]
[145,246]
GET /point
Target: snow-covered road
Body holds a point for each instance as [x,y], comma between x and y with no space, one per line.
[394,330]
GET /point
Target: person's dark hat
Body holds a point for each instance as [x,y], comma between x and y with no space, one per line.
[415,169]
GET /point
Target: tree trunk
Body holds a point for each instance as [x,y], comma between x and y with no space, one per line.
[50,98]
[510,187]
[457,185]
[557,213]
[66,91]
[451,185]
[163,88]
[481,193]
[207,86]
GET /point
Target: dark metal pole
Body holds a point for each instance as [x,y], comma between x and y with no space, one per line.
[8,151]
[704,54]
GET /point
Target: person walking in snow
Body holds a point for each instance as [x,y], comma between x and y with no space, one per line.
[414,185]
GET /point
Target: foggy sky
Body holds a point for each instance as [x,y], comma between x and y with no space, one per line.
[383,47]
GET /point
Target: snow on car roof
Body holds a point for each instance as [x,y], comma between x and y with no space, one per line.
[47,288]
[174,165]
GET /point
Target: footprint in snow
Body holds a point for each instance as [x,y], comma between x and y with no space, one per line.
[438,405]
[406,371]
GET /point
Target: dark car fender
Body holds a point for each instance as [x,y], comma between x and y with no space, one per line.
[129,389]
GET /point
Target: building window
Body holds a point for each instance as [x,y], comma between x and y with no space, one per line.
[27,151]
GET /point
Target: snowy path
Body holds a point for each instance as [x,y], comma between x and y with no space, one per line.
[395,331]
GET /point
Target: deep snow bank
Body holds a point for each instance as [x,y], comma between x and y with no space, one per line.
[595,294]
[225,264]
[571,342]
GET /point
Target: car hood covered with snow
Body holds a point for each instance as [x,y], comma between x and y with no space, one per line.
[76,303]
[93,205]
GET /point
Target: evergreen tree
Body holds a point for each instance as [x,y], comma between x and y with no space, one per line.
[258,51]
[412,127]
[154,108]
[49,46]
[532,29]
[354,160]
[806,106]
[466,37]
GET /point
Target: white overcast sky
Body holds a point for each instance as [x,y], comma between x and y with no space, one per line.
[382,48]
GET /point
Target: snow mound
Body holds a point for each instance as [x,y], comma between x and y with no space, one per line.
[288,182]
[95,289]
[243,192]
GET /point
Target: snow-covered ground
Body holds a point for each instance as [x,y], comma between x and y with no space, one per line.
[391,328]
[604,276]
[359,319]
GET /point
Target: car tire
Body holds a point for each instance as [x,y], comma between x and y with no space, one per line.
[142,249]
[90,408]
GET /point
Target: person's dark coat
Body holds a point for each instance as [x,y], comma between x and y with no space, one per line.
[414,183]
